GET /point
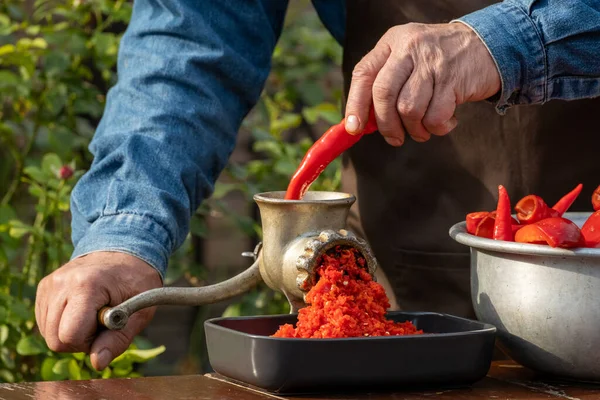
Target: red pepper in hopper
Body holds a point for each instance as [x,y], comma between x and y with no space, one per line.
[591,230]
[532,208]
[596,199]
[567,200]
[555,231]
[330,146]
[503,222]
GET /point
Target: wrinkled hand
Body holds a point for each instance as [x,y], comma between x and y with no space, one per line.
[416,76]
[68,301]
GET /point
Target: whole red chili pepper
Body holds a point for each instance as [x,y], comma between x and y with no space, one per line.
[591,230]
[596,199]
[503,223]
[532,208]
[556,232]
[567,200]
[330,146]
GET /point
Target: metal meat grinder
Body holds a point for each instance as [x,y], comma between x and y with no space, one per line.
[295,234]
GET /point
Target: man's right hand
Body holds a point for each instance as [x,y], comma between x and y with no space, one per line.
[68,301]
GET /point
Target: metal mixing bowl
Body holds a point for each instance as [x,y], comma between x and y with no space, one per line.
[545,302]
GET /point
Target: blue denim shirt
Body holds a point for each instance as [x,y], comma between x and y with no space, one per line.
[190,71]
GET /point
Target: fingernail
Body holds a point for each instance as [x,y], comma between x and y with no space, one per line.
[451,124]
[104,358]
[352,123]
[392,141]
[419,139]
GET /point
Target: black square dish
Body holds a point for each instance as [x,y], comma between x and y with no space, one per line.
[452,352]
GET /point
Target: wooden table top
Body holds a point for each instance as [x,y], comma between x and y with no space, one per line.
[504,381]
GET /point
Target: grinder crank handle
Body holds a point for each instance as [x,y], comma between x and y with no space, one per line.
[115,318]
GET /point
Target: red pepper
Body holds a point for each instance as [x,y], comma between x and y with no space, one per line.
[555,231]
[591,230]
[330,146]
[596,199]
[503,223]
[473,219]
[567,200]
[485,228]
[532,208]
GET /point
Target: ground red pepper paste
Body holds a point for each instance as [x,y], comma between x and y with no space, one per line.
[345,302]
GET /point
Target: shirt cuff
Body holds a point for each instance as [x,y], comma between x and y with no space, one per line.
[514,43]
[133,234]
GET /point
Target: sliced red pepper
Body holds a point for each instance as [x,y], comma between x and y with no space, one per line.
[485,229]
[591,230]
[596,199]
[532,208]
[515,228]
[567,200]
[330,146]
[554,231]
[473,219]
[503,223]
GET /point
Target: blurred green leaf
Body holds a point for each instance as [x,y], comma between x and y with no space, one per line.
[327,111]
[4,20]
[74,370]
[18,229]
[47,368]
[7,376]
[286,122]
[36,174]
[7,49]
[30,346]
[61,368]
[138,356]
[7,358]
[51,164]
[106,373]
[4,330]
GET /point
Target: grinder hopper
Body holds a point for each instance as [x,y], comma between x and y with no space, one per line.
[295,234]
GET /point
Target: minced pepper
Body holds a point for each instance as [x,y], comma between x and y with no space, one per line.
[345,302]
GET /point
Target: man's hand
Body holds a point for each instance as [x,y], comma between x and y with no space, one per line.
[68,301]
[416,76]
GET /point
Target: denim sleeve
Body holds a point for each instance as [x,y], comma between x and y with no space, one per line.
[188,73]
[544,49]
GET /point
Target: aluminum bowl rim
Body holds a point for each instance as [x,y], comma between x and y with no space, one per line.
[459,233]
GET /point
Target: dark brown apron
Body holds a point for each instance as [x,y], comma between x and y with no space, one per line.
[408,197]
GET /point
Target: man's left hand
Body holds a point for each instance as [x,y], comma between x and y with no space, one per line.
[416,76]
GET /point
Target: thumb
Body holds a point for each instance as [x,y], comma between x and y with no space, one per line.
[111,344]
[360,95]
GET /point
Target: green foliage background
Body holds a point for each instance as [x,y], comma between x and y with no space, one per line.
[57,61]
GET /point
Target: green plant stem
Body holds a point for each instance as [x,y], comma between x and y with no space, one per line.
[37,226]
[58,233]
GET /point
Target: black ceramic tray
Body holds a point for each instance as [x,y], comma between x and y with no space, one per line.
[454,352]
